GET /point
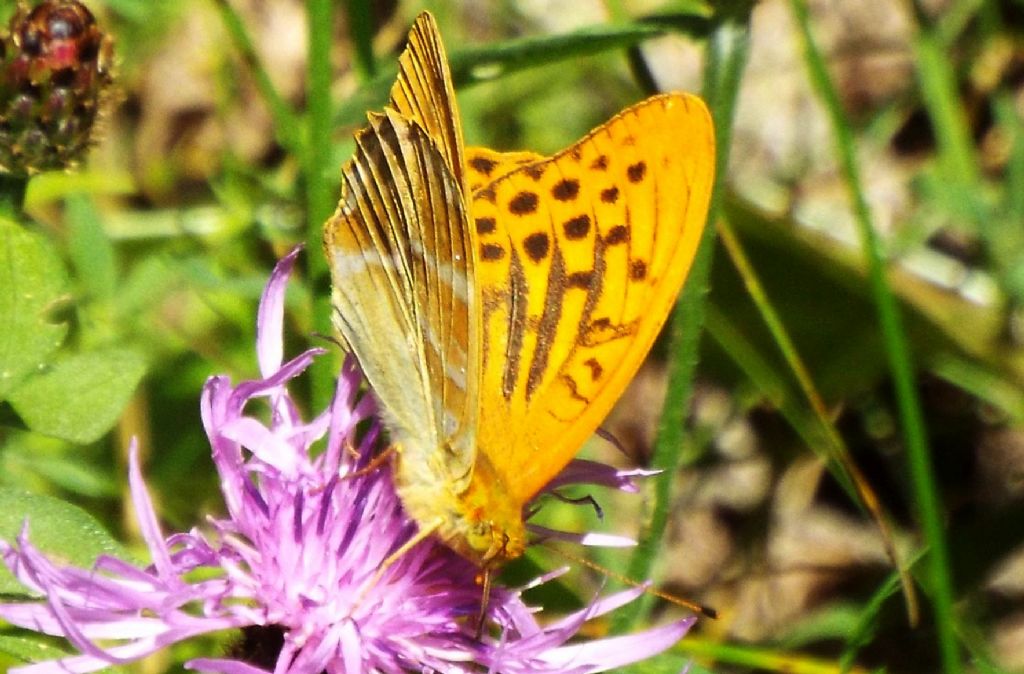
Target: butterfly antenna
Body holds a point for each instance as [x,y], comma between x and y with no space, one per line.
[703,610]
[332,339]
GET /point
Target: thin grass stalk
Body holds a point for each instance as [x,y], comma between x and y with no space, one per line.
[843,467]
[922,472]
[320,189]
[285,121]
[360,31]
[759,658]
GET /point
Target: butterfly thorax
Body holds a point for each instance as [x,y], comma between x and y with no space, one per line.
[474,516]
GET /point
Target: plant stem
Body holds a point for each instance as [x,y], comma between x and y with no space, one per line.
[922,472]
[320,192]
[727,56]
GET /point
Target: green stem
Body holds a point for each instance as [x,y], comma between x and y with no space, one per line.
[900,363]
[360,30]
[286,123]
[320,191]
[727,56]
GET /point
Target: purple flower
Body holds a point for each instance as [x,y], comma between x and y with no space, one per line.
[299,555]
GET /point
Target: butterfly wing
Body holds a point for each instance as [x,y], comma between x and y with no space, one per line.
[485,165]
[424,92]
[580,258]
[402,269]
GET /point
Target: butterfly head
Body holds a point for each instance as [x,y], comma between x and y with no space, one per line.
[486,525]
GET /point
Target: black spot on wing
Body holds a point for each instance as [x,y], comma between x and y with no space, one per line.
[523,203]
[636,172]
[617,234]
[537,246]
[566,190]
[483,165]
[491,251]
[485,225]
[637,270]
[577,228]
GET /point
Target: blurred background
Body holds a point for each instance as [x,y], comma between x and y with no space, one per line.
[907,118]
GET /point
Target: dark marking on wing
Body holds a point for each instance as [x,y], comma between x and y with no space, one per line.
[580,279]
[483,165]
[616,235]
[519,291]
[637,270]
[602,330]
[491,251]
[593,293]
[523,203]
[566,190]
[548,326]
[537,245]
[577,228]
[574,390]
[610,195]
[600,164]
[636,172]
[485,225]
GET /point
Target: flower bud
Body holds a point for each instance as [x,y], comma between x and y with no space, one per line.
[55,72]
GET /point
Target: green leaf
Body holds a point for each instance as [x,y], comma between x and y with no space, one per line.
[484,63]
[32,283]
[664,663]
[82,396]
[63,531]
[91,251]
[30,647]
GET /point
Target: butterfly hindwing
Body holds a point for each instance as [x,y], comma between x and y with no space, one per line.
[403,272]
[580,259]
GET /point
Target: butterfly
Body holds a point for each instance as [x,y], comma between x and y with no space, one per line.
[499,303]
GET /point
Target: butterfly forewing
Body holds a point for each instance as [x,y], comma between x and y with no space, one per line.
[403,272]
[424,94]
[580,258]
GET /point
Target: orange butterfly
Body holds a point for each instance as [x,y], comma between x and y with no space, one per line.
[499,303]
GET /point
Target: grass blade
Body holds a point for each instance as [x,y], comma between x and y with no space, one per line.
[921,469]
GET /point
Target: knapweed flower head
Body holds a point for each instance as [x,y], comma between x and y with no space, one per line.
[299,557]
[55,77]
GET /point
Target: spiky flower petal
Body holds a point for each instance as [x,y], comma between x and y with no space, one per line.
[298,558]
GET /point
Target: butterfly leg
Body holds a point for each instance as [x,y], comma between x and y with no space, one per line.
[375,463]
[485,598]
[424,532]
